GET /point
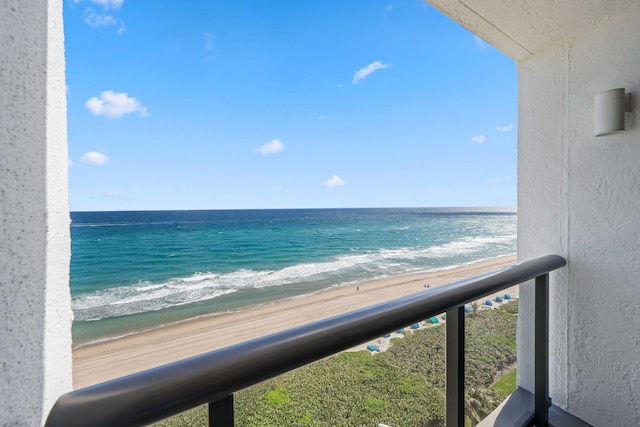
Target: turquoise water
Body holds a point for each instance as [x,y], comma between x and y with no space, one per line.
[137,270]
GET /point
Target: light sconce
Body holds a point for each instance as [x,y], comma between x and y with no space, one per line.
[608,111]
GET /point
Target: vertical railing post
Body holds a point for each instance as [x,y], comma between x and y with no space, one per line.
[455,367]
[541,334]
[221,412]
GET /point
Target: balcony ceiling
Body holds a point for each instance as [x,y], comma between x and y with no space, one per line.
[522,28]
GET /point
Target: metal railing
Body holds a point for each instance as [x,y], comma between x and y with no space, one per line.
[159,393]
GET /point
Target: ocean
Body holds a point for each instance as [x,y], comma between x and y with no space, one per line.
[133,271]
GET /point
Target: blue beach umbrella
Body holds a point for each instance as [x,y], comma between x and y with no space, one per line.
[498,298]
[415,326]
[507,296]
[467,309]
[488,302]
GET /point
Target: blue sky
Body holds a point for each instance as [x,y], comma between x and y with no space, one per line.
[284,104]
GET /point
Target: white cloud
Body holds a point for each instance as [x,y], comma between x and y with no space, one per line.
[95,20]
[479,139]
[480,44]
[108,4]
[208,45]
[271,147]
[71,163]
[363,73]
[499,180]
[116,195]
[94,158]
[115,105]
[209,40]
[505,128]
[335,181]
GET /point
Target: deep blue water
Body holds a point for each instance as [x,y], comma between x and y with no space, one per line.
[136,270]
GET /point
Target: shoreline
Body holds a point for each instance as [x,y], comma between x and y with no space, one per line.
[114,357]
[355,284]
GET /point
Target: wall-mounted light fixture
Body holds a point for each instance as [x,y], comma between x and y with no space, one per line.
[608,111]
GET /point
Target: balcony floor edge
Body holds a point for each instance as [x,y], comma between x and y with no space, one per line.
[517,410]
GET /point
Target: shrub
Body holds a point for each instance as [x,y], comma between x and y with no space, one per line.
[402,386]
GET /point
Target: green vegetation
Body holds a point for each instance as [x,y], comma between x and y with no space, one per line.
[196,417]
[403,386]
[510,307]
[278,397]
[505,385]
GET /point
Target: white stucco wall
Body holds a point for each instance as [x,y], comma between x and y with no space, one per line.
[35,307]
[579,196]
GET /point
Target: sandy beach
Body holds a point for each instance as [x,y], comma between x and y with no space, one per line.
[95,363]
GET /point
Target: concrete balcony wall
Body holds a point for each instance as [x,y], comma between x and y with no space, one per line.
[579,196]
[35,306]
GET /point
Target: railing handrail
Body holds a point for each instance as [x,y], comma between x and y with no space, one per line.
[167,390]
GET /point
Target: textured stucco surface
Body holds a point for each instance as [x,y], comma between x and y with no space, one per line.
[523,28]
[35,308]
[579,196]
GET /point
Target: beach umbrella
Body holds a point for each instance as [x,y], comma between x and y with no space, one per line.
[499,298]
[415,326]
[467,309]
[434,320]
[507,296]
[488,302]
